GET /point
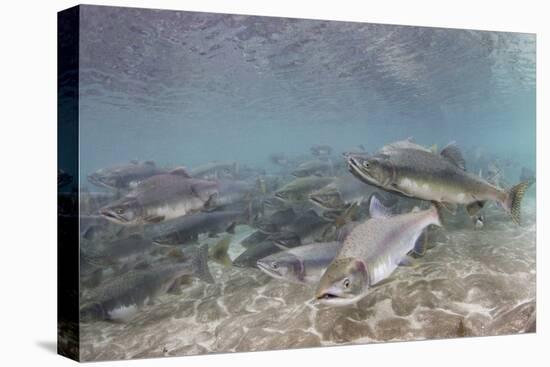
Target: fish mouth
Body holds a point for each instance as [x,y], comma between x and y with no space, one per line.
[326,296]
[332,214]
[330,299]
[355,168]
[280,195]
[317,200]
[328,202]
[267,269]
[98,182]
[112,216]
[164,242]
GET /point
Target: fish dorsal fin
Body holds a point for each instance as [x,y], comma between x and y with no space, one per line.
[134,161]
[180,171]
[454,155]
[150,163]
[402,144]
[377,209]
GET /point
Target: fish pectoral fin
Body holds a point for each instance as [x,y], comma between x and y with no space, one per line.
[408,260]
[454,155]
[421,244]
[154,218]
[175,287]
[450,207]
[474,207]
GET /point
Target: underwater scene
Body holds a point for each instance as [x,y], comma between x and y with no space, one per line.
[256,183]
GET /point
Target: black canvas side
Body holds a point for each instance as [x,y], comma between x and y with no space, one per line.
[67,197]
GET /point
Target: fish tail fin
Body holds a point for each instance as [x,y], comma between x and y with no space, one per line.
[201,265]
[438,207]
[513,200]
[218,253]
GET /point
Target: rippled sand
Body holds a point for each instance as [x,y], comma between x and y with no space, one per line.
[472,283]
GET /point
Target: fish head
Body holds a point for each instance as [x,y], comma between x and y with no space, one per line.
[205,190]
[126,211]
[281,266]
[377,169]
[299,172]
[327,197]
[166,240]
[104,178]
[344,282]
[286,195]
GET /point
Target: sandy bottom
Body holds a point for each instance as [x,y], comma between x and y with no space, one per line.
[472,283]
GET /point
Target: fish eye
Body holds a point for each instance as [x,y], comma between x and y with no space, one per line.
[346,283]
[274,265]
[366,164]
[119,210]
